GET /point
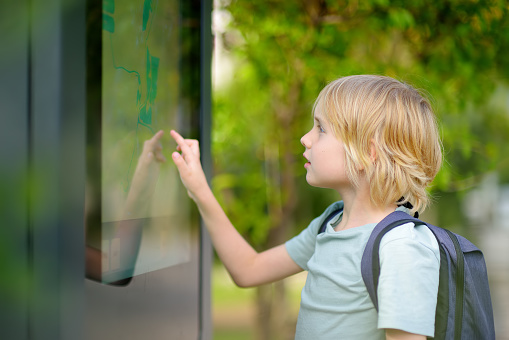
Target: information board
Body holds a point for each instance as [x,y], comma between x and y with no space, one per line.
[145,214]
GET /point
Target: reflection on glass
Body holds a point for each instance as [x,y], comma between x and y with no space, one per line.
[144,211]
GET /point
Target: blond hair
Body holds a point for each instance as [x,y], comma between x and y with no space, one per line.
[375,113]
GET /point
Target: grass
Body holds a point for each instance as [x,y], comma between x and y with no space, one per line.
[232,334]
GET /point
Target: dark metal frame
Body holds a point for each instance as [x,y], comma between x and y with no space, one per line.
[43,106]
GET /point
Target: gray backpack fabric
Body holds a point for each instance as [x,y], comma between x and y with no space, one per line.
[464,309]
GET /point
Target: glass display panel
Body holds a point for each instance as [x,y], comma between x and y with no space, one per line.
[139,218]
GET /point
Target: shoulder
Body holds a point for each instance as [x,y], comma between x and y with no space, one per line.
[410,236]
[301,247]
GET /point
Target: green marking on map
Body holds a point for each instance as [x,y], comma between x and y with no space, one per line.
[109,6]
[108,23]
[152,78]
[144,107]
[147,9]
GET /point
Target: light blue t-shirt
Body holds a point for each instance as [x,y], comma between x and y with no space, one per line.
[334,301]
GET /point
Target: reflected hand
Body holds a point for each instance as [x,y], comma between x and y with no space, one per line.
[146,174]
[188,165]
[152,148]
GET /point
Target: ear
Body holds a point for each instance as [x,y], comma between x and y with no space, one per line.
[372,151]
[372,155]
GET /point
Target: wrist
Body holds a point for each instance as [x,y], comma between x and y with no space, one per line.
[202,195]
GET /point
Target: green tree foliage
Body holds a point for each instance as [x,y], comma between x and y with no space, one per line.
[285,52]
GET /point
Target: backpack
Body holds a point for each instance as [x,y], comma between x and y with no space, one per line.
[464,309]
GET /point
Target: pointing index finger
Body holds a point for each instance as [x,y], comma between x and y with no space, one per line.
[180,141]
[177,137]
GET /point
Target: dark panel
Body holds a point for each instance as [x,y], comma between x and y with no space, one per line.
[14,84]
[45,151]
[72,165]
[57,162]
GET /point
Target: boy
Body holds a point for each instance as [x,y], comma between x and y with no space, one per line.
[374,141]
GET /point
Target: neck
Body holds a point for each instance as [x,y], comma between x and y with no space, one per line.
[358,209]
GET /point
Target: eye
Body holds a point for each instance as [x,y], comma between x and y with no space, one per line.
[320,128]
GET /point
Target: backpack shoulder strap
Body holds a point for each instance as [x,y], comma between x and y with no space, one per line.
[370,263]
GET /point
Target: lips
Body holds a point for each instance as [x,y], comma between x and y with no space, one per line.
[308,164]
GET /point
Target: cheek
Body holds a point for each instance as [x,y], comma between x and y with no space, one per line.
[337,166]
[338,160]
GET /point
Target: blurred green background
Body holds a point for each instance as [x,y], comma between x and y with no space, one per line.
[272,58]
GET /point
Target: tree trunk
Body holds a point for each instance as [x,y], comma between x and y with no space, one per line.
[264,307]
[272,320]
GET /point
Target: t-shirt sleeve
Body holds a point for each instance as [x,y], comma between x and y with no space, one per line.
[302,247]
[408,285]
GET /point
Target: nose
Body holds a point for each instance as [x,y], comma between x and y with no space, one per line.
[305,141]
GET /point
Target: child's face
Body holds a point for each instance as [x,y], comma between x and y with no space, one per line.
[325,155]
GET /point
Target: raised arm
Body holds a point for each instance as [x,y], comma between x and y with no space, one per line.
[246,266]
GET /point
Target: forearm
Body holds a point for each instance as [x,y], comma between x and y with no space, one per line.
[235,252]
[247,267]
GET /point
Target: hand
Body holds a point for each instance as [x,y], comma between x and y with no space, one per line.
[189,166]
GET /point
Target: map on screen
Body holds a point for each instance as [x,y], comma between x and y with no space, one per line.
[141,50]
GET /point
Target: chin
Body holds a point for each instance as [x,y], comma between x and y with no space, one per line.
[317,184]
[314,183]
